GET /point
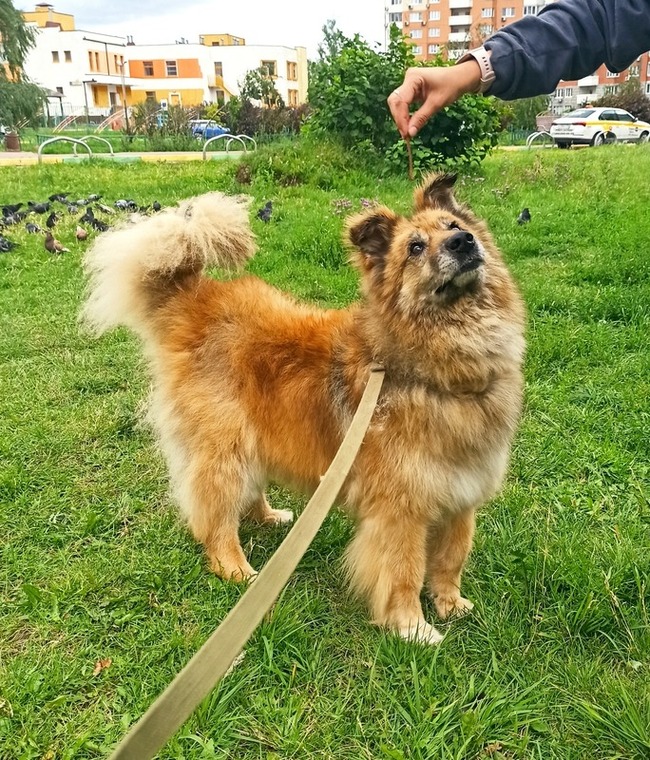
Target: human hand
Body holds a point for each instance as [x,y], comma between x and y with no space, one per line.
[433,87]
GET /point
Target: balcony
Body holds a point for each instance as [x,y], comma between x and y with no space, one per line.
[459,4]
[215,81]
[459,36]
[590,81]
[460,21]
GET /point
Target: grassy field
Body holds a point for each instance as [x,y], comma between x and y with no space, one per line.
[104,595]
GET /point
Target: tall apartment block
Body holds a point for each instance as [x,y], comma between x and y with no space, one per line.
[452,27]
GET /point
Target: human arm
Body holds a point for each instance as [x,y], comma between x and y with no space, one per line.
[568,39]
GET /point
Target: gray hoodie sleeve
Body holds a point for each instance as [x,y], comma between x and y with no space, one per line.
[568,39]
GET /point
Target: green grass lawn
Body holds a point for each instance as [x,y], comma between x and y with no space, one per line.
[96,566]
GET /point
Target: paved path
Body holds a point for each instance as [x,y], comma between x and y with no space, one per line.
[23,158]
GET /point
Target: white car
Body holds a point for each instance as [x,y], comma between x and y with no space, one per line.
[598,126]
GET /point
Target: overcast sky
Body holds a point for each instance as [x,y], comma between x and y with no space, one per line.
[262,22]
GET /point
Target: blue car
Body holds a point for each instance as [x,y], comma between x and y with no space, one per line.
[204,129]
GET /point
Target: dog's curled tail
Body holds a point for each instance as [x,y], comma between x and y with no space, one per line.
[137,266]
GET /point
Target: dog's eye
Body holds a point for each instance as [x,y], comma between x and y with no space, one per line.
[416,248]
[454,226]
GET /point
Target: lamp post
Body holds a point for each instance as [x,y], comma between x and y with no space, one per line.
[79,83]
[124,103]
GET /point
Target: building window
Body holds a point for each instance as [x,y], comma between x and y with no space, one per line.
[271,68]
[59,90]
[218,68]
[434,15]
[91,61]
[395,2]
[647,88]
[395,18]
[67,55]
[611,89]
[292,71]
[633,71]
[487,12]
[150,96]
[508,13]
[531,10]
[611,74]
[220,95]
[96,61]
[293,97]
[485,29]
[148,68]
[434,49]
[434,31]
[416,34]
[415,16]
[55,56]
[417,50]
[171,68]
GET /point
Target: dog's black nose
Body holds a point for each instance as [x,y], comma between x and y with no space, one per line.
[461,242]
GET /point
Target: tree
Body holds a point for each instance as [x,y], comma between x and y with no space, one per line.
[258,85]
[16,39]
[20,99]
[630,98]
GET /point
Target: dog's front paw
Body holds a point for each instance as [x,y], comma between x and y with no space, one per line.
[420,632]
[452,606]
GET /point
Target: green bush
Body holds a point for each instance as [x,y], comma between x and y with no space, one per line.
[348,87]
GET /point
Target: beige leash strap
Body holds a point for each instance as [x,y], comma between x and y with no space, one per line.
[172,708]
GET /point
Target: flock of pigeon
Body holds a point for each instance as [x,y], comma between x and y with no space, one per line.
[29,214]
[59,204]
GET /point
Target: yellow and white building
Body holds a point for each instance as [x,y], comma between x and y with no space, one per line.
[97,73]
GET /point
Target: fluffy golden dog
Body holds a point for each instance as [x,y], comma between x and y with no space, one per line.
[251,386]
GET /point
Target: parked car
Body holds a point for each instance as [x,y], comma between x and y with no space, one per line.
[203,129]
[598,126]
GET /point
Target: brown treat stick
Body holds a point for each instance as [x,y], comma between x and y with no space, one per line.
[407,140]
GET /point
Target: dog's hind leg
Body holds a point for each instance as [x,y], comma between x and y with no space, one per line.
[385,563]
[262,513]
[450,543]
[214,495]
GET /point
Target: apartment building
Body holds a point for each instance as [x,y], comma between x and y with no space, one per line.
[452,27]
[97,73]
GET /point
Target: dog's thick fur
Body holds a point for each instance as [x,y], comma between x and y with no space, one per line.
[251,386]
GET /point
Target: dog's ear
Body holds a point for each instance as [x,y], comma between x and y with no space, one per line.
[371,234]
[437,192]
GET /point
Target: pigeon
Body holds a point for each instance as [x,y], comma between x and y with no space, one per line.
[98,225]
[126,204]
[51,220]
[265,213]
[11,219]
[87,216]
[39,208]
[61,197]
[6,245]
[105,209]
[94,197]
[81,233]
[156,206]
[10,209]
[524,217]
[53,245]
[33,228]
